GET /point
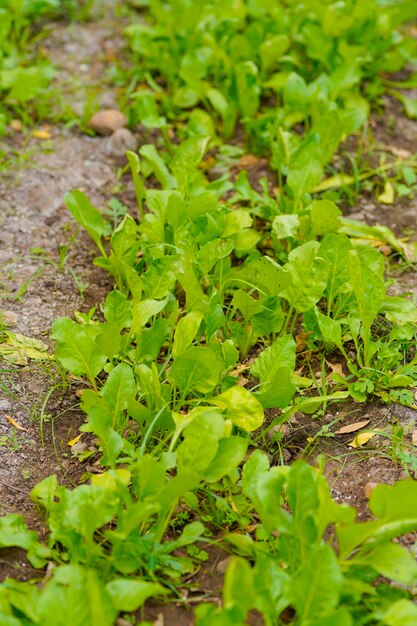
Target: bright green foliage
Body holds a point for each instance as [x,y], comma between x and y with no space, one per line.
[218,289]
[21,79]
[295,563]
[308,554]
[272,66]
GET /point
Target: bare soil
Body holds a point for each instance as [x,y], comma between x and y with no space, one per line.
[37,289]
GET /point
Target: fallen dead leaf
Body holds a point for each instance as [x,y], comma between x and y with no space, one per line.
[42,134]
[414,437]
[14,423]
[336,371]
[399,152]
[385,249]
[160,621]
[361,439]
[242,367]
[300,340]
[248,161]
[75,440]
[16,125]
[351,428]
[368,489]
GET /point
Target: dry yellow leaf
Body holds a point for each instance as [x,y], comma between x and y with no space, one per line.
[387,196]
[42,134]
[414,437]
[361,439]
[249,161]
[18,349]
[351,428]
[75,440]
[16,124]
[14,423]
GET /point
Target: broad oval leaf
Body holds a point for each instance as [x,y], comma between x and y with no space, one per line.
[196,369]
[241,407]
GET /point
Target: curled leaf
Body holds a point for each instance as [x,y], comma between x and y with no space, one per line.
[361,439]
[351,428]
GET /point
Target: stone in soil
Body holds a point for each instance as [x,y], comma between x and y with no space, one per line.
[107,121]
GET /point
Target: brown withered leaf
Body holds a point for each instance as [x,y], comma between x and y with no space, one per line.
[249,161]
[351,428]
[300,340]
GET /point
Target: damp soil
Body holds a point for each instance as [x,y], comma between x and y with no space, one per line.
[43,277]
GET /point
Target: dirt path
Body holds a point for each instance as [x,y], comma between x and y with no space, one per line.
[36,288]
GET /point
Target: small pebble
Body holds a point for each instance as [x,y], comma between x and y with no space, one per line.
[9,318]
[223,565]
[107,121]
[368,489]
[78,447]
[121,141]
[282,429]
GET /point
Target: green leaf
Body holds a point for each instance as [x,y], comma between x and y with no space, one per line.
[306,169]
[272,49]
[15,533]
[239,595]
[144,310]
[88,216]
[254,469]
[124,240]
[236,221]
[153,338]
[241,407]
[118,309]
[409,104]
[196,369]
[284,226]
[201,442]
[230,453]
[392,561]
[130,594]
[330,329]
[274,368]
[99,422]
[118,389]
[304,277]
[335,250]
[401,613]
[324,216]
[76,349]
[369,290]
[158,167]
[247,87]
[399,310]
[191,533]
[185,332]
[76,596]
[315,588]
